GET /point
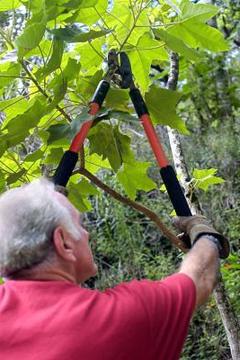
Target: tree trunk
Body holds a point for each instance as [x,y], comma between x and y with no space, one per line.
[225,308]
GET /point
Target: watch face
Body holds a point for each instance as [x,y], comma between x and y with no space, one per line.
[214,240]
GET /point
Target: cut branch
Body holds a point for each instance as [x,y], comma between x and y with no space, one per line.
[135,205]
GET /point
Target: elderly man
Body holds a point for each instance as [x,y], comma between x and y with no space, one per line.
[46,315]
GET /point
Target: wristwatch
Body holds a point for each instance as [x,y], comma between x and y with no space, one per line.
[213,239]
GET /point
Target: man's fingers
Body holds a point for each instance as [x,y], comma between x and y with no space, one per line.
[185,239]
[180,222]
[185,223]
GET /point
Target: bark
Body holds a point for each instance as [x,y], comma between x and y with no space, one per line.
[225,110]
[176,147]
[229,319]
[225,308]
[222,87]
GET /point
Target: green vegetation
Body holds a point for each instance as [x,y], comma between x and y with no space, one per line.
[52,56]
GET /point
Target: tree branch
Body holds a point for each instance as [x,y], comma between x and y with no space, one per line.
[82,158]
[225,308]
[175,143]
[174,71]
[135,205]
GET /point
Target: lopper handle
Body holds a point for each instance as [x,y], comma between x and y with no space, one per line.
[175,192]
[70,157]
[169,177]
[65,168]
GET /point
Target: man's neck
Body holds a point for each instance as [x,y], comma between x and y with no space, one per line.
[47,274]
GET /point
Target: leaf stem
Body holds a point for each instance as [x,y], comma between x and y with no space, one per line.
[96,51]
[104,22]
[15,102]
[132,28]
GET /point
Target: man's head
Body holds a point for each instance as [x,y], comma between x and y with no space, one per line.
[39,225]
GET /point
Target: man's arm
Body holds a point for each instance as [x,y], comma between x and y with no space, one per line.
[201,264]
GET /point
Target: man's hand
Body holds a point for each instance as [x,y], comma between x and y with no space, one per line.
[196,226]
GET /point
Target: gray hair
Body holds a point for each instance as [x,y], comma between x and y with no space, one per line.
[28,217]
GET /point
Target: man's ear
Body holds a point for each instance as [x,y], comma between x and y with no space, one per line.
[64,245]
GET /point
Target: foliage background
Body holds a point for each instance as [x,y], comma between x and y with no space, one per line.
[52,55]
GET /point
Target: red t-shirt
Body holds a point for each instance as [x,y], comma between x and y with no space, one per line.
[57,320]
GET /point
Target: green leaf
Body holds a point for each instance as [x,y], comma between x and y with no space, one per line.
[90,15]
[163,188]
[70,72]
[123,116]
[85,116]
[71,35]
[54,10]
[86,85]
[117,99]
[2,182]
[60,134]
[59,83]
[59,91]
[54,156]
[35,5]
[78,194]
[13,107]
[8,72]
[176,44]
[6,5]
[3,144]
[86,188]
[32,34]
[54,61]
[126,27]
[198,12]
[206,177]
[43,49]
[36,155]
[162,106]
[80,4]
[196,34]
[142,56]
[90,56]
[15,176]
[18,127]
[110,143]
[94,163]
[134,177]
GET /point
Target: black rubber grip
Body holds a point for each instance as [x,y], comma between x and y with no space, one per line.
[138,102]
[65,168]
[175,191]
[101,92]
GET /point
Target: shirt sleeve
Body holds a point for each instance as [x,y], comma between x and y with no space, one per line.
[166,308]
